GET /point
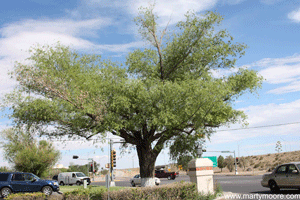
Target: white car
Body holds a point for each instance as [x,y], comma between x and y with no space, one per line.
[136,180]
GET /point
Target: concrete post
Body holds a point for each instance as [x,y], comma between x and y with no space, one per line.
[201,172]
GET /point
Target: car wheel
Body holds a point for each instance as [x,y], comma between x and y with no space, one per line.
[78,183]
[61,183]
[132,183]
[273,187]
[173,178]
[156,183]
[5,192]
[169,177]
[47,190]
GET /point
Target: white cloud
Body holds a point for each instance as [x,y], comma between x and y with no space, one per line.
[263,115]
[167,10]
[17,38]
[293,87]
[268,62]
[281,70]
[62,26]
[295,15]
[281,74]
[272,144]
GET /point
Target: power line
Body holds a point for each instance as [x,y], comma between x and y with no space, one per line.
[259,127]
[236,129]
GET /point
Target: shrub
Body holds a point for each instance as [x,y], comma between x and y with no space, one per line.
[176,191]
[90,193]
[27,196]
[257,165]
[182,190]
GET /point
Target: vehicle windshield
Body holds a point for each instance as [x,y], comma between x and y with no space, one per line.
[80,174]
[298,166]
[35,176]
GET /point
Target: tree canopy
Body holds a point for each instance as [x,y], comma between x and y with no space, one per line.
[165,91]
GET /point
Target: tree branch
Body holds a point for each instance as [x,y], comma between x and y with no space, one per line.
[128,138]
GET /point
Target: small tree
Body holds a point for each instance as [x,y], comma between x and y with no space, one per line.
[221,163]
[26,153]
[4,169]
[278,147]
[229,163]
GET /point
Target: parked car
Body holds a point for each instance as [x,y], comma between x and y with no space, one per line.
[283,176]
[71,178]
[136,180]
[165,174]
[12,182]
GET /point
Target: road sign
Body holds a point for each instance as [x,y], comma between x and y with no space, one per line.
[213,159]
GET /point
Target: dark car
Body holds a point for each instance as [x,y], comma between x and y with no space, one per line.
[165,174]
[12,182]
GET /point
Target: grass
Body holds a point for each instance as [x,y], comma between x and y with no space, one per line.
[68,188]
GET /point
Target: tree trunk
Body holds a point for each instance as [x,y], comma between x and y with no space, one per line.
[147,160]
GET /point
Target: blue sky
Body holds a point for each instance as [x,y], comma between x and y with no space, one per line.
[270,28]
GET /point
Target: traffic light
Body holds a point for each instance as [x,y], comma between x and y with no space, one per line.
[237,160]
[91,169]
[113,158]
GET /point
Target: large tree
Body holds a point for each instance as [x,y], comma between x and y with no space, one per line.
[26,154]
[166,92]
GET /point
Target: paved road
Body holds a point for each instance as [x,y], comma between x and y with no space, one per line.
[241,184]
[247,185]
[235,184]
